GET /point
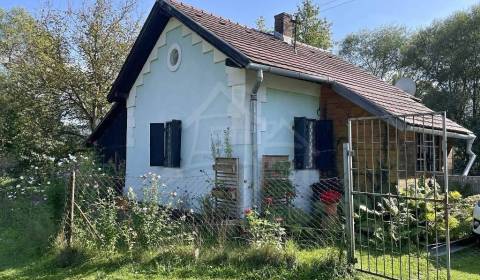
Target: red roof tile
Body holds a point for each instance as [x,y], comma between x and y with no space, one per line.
[266,49]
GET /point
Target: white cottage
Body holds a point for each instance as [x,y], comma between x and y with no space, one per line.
[191,75]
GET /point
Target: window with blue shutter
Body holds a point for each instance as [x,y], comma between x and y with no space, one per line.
[157,147]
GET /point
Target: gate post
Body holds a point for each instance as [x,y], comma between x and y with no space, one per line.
[347,184]
[445,182]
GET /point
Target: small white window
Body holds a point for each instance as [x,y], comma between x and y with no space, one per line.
[174,57]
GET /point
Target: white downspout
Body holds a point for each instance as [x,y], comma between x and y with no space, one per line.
[254,136]
[471,154]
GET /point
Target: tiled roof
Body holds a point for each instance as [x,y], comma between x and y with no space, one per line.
[266,49]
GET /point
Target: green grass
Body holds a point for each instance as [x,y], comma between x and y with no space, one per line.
[465,266]
[213,263]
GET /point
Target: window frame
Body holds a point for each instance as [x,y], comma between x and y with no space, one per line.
[174,67]
[425,156]
[168,154]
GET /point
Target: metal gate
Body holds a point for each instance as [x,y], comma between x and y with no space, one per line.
[396,174]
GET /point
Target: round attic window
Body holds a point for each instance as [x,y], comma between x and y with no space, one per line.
[174,57]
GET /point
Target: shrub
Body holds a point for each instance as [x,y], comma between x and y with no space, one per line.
[131,224]
[406,214]
[106,221]
[263,232]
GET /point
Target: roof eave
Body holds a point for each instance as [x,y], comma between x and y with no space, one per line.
[101,127]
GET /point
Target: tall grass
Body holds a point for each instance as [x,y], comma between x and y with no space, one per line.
[29,223]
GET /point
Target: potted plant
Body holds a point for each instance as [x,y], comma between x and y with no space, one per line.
[228,193]
[330,200]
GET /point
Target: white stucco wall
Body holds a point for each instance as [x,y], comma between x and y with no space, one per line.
[282,99]
[208,97]
[203,93]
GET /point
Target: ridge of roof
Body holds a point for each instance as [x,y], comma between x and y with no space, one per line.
[210,13]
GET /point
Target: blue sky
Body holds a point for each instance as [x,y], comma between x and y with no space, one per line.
[346,16]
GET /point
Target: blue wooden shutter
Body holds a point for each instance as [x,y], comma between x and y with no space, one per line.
[304,143]
[325,154]
[173,143]
[157,140]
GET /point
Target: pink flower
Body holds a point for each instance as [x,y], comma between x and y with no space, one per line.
[247,211]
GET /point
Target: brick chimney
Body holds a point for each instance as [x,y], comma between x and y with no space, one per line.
[284,25]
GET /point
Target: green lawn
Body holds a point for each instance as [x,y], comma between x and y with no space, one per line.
[465,266]
[213,264]
[210,266]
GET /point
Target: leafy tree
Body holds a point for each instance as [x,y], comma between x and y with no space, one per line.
[55,72]
[96,39]
[31,114]
[311,29]
[378,51]
[261,25]
[445,59]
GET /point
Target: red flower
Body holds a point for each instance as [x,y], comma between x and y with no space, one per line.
[269,200]
[330,196]
[247,211]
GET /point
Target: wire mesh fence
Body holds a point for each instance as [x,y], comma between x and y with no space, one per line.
[199,211]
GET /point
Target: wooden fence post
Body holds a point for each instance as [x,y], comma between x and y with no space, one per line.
[71,207]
